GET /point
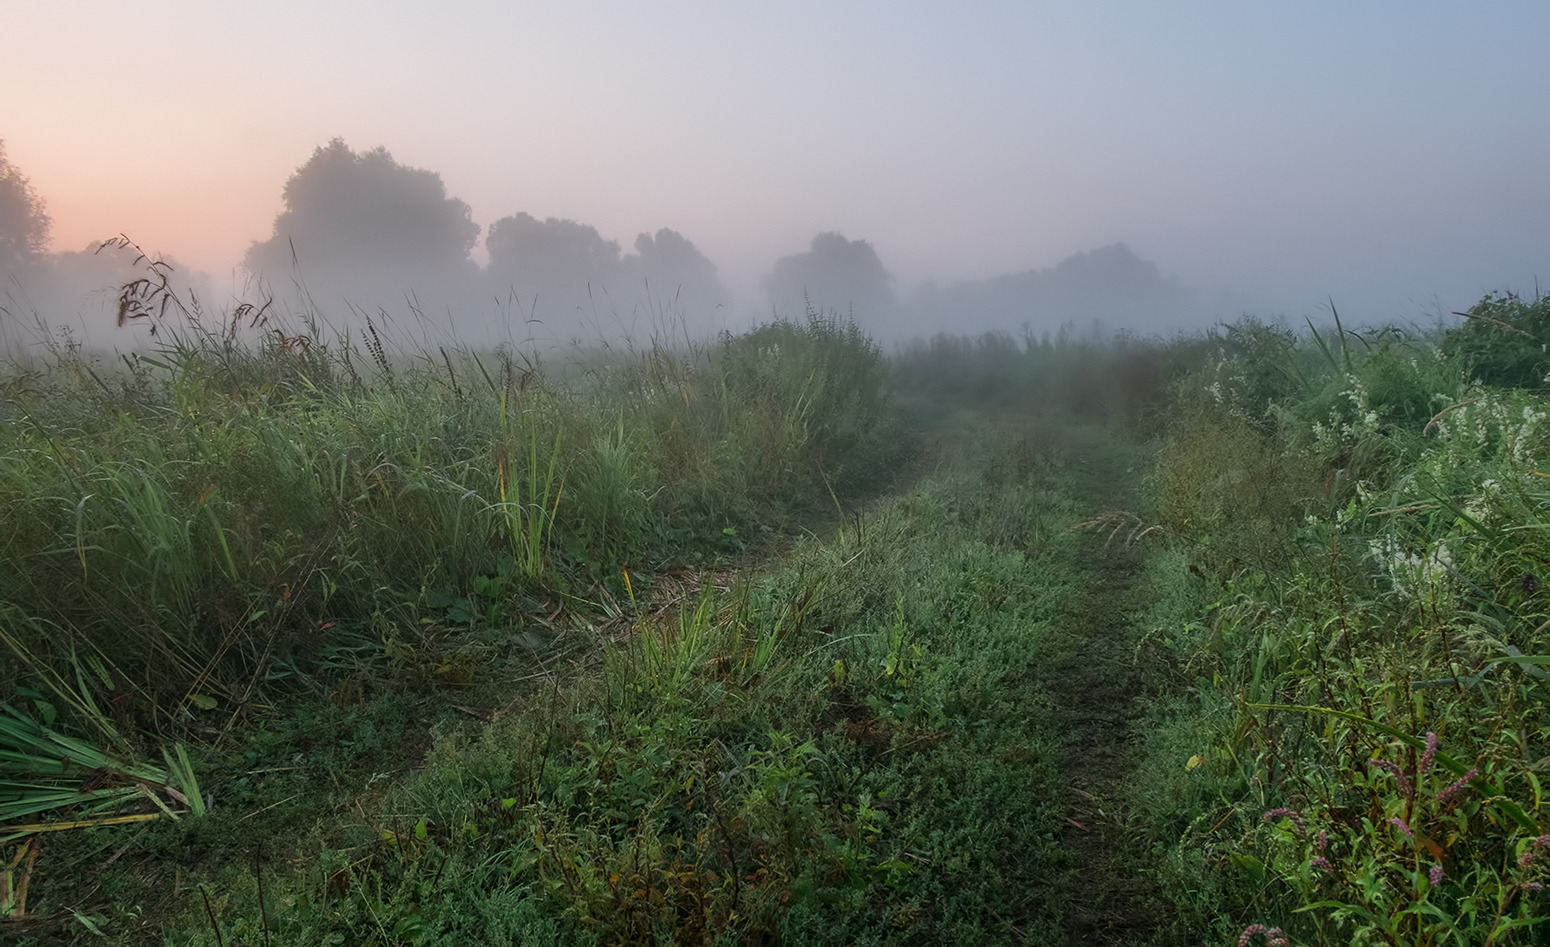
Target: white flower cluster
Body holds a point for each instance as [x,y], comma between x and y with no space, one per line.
[1491,421]
[1345,426]
[1413,574]
[1226,390]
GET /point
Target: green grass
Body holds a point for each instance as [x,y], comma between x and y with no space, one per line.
[778,640]
[557,713]
[211,506]
[200,532]
[855,747]
[1365,537]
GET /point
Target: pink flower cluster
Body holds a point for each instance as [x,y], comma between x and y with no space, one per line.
[1292,814]
[1399,776]
[1527,858]
[1274,937]
[1319,861]
[1430,754]
[1458,787]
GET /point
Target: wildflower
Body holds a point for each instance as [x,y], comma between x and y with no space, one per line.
[1431,752]
[1435,875]
[1323,841]
[1399,824]
[1292,814]
[1274,937]
[1542,842]
[1530,584]
[1458,787]
[1399,776]
[1526,859]
[1321,862]
[1533,886]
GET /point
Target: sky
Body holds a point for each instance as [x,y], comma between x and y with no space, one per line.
[1387,155]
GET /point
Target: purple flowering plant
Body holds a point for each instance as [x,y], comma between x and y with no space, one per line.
[1402,852]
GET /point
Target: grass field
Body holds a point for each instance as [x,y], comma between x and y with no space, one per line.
[1233,638]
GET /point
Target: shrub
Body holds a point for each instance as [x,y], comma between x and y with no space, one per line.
[1502,341]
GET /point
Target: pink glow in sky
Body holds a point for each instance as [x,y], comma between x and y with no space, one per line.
[1387,153]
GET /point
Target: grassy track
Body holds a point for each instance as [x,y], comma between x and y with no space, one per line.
[1097,692]
[939,697]
[399,659]
[459,729]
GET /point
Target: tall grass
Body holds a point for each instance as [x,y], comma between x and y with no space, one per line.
[843,746]
[188,515]
[1358,528]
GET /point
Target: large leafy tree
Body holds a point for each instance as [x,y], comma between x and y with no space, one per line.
[24,222]
[361,219]
[835,273]
[559,256]
[571,278]
[673,264]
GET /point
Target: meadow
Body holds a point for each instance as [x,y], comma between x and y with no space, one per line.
[1230,638]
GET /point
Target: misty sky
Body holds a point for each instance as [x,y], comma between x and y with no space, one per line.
[1389,154]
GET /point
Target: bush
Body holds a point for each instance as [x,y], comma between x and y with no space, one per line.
[1502,341]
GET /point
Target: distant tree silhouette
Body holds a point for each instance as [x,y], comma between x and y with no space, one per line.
[24,222]
[683,282]
[554,255]
[1111,286]
[568,276]
[834,273]
[364,221]
[671,263]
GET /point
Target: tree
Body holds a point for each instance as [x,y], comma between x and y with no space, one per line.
[551,257]
[24,223]
[364,221]
[673,264]
[1109,286]
[834,273]
[575,280]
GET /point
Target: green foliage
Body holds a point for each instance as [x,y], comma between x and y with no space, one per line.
[523,698]
[44,771]
[837,750]
[813,403]
[1360,762]
[1502,341]
[215,504]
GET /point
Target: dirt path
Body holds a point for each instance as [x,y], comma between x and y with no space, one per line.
[1096,688]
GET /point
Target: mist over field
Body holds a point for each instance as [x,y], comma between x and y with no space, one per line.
[928,169]
[361,235]
[802,473]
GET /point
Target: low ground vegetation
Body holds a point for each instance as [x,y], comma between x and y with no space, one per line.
[1348,584]
[1223,639]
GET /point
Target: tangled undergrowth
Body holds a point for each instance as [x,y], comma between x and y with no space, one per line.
[1367,649]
